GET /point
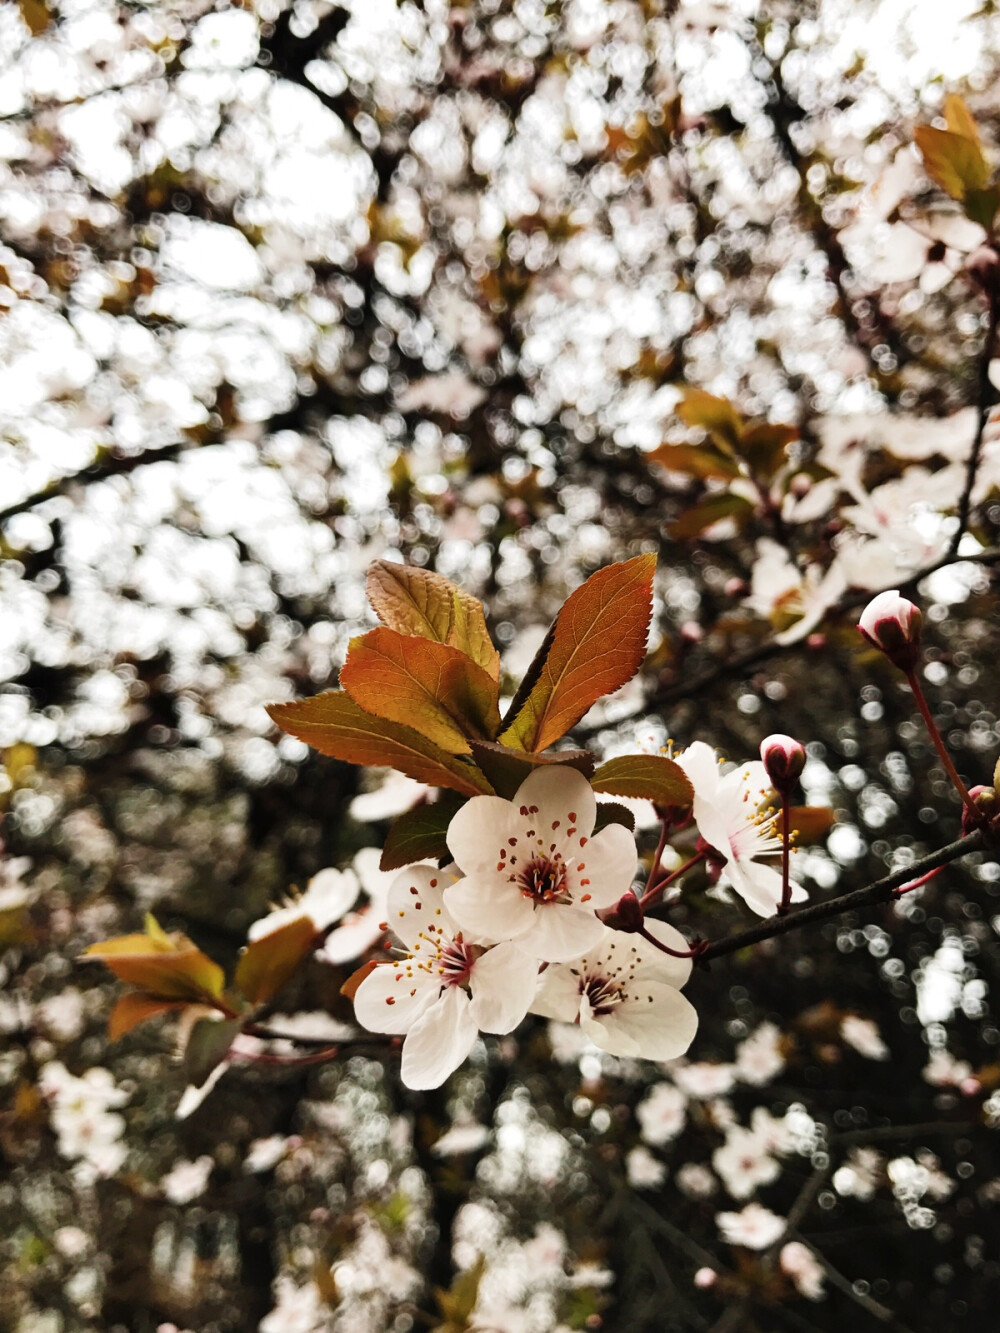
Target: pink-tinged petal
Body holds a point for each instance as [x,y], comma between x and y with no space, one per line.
[415,907]
[558,994]
[503,983]
[660,966]
[558,798]
[476,834]
[658,1023]
[559,933]
[490,909]
[390,999]
[439,1041]
[609,862]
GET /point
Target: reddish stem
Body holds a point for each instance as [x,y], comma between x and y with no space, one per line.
[943,754]
[917,883]
[655,888]
[697,948]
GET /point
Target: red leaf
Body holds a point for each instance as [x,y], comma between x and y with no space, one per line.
[333,724]
[597,645]
[434,688]
[134,1008]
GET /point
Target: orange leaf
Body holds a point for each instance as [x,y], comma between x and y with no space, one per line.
[350,986]
[954,161]
[434,688]
[334,724]
[716,416]
[958,118]
[168,967]
[598,643]
[417,601]
[653,777]
[696,460]
[271,961]
[134,1008]
[811,823]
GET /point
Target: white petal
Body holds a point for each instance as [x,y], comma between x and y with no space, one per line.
[503,983]
[558,994]
[560,933]
[359,933]
[439,1041]
[492,909]
[659,966]
[760,886]
[476,834]
[556,794]
[610,861]
[657,1024]
[391,1000]
[700,764]
[415,907]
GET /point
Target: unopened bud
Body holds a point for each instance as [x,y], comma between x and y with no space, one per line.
[985,799]
[892,624]
[705,1278]
[784,758]
[627,914]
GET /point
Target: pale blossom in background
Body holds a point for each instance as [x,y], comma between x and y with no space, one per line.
[755,1227]
[799,1262]
[662,1113]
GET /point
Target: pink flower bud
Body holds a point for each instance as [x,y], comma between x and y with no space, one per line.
[892,624]
[705,1277]
[986,800]
[627,914]
[784,758]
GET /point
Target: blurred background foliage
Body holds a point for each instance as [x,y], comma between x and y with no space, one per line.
[289,288]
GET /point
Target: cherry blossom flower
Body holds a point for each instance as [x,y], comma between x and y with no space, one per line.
[755,1228]
[361,930]
[695,1180]
[624,994]
[423,994]
[798,1262]
[394,796]
[759,1058]
[662,1113]
[328,896]
[533,872]
[863,1035]
[187,1181]
[704,1079]
[729,815]
[643,1170]
[744,1162]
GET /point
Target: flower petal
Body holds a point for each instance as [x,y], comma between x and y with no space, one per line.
[610,861]
[559,933]
[558,994]
[390,1000]
[659,966]
[503,983]
[559,798]
[439,1041]
[490,908]
[478,831]
[657,1024]
[415,907]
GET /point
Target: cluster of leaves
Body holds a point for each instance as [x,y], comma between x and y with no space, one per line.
[421,695]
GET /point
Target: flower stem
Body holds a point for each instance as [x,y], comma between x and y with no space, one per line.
[786,839]
[655,888]
[697,948]
[917,883]
[943,754]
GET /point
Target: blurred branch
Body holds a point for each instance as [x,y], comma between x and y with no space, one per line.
[985,397]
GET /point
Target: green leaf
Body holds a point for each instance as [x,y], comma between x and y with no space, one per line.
[431,687]
[270,962]
[419,834]
[419,602]
[653,777]
[507,769]
[208,1045]
[709,512]
[596,646]
[610,812]
[335,725]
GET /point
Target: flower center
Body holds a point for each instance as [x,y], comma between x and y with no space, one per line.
[602,994]
[454,962]
[544,879]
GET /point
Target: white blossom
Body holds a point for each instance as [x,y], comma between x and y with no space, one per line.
[423,994]
[755,1228]
[327,897]
[624,994]
[187,1180]
[662,1113]
[730,812]
[643,1170]
[744,1163]
[759,1058]
[863,1035]
[798,1262]
[533,872]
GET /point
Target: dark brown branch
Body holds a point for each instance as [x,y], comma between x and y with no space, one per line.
[879,892]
